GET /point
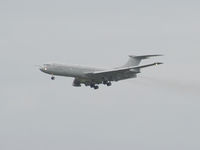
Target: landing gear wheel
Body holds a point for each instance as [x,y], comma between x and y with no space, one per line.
[52,78]
[109,84]
[96,87]
[92,85]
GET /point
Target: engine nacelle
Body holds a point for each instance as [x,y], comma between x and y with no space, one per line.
[76,83]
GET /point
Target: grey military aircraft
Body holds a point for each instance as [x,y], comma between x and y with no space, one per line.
[94,76]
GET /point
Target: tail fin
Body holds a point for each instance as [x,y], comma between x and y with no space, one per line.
[135,60]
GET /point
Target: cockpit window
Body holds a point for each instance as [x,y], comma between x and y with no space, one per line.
[46,64]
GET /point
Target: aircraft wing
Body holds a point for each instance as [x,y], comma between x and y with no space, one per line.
[118,73]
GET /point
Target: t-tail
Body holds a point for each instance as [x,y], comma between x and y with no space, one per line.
[135,60]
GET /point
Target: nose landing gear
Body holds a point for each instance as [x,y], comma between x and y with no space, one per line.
[52,78]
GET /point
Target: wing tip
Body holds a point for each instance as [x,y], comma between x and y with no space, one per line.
[158,63]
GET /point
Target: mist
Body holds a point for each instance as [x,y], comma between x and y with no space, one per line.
[172,84]
[159,110]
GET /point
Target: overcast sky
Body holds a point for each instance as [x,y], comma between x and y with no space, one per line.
[158,110]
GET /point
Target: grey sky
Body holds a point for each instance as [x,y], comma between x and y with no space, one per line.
[159,110]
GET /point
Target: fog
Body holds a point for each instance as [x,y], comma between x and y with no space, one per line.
[158,110]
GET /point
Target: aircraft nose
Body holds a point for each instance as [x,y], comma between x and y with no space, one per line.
[42,68]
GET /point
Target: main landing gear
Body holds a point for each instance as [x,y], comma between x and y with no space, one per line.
[94,86]
[107,83]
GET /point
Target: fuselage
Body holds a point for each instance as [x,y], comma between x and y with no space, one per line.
[67,70]
[92,77]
